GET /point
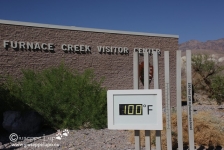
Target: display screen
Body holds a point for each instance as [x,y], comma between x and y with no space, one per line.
[130,109]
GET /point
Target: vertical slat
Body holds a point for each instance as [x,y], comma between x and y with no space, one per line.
[178,100]
[146,70]
[156,70]
[135,70]
[156,86]
[189,101]
[135,86]
[147,140]
[146,86]
[167,100]
[137,140]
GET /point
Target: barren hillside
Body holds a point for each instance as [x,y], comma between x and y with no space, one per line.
[217,45]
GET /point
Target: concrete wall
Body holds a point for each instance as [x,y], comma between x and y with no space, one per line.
[116,68]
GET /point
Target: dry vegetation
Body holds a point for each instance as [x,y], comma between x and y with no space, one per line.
[208,130]
[207,76]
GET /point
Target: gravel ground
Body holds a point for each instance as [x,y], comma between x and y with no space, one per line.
[88,139]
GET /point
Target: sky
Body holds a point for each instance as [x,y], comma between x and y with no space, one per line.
[200,20]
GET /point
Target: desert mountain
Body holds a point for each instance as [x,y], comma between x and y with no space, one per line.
[213,48]
[216,45]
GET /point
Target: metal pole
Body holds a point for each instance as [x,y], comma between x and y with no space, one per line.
[146,86]
[167,100]
[178,100]
[156,86]
[135,86]
[189,101]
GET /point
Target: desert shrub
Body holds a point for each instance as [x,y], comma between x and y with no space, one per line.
[184,90]
[218,88]
[206,73]
[9,102]
[208,130]
[65,98]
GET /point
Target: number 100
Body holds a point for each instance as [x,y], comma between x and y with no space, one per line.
[130,109]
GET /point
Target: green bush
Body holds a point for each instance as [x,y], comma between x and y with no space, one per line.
[64,98]
[9,102]
[208,76]
[218,88]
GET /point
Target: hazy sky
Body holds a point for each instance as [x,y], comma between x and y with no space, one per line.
[190,19]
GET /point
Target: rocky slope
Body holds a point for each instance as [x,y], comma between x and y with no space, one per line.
[217,45]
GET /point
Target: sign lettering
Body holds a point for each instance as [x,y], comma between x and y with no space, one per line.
[73,47]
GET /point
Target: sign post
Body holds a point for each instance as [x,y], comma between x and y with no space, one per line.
[156,86]
[179,107]
[135,86]
[189,101]
[167,100]
[146,86]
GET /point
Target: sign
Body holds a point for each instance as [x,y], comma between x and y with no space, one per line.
[135,109]
[28,45]
[75,48]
